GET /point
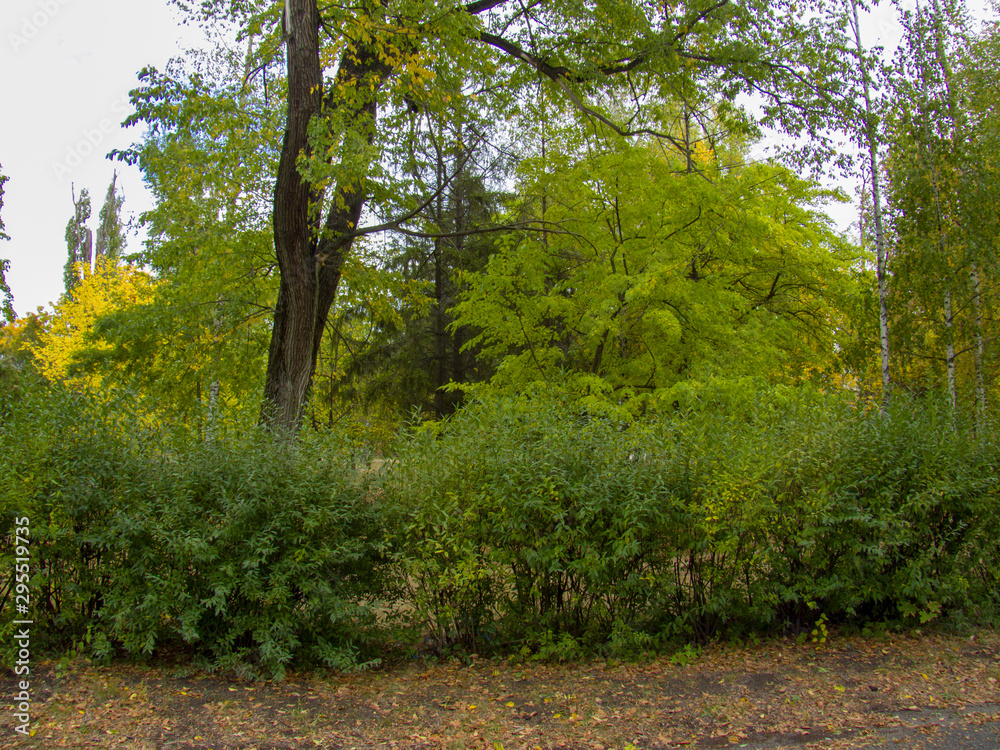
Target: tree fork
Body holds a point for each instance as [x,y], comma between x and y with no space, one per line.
[310,251]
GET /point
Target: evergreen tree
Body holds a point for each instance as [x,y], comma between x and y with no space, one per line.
[414,355]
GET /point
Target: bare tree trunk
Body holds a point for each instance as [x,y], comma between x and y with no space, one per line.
[310,251]
[979,352]
[881,255]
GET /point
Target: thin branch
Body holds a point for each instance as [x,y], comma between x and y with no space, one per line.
[481,6]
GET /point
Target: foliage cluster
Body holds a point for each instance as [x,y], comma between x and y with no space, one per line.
[659,270]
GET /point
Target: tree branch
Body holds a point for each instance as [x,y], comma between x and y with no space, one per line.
[481,6]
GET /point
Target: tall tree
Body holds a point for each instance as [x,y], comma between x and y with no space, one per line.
[928,168]
[7,306]
[354,73]
[870,140]
[943,172]
[660,269]
[980,75]
[626,51]
[419,352]
[79,241]
[110,240]
[208,157]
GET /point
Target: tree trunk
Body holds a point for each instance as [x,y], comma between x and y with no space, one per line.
[290,362]
[881,257]
[310,256]
[979,352]
[440,333]
[949,324]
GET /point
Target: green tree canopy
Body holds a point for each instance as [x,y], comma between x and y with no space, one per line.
[355,78]
[654,269]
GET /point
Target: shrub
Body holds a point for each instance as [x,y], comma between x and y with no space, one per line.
[257,552]
[530,519]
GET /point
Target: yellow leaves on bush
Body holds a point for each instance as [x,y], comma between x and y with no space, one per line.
[110,287]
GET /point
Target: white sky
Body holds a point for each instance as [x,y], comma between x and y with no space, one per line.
[66,67]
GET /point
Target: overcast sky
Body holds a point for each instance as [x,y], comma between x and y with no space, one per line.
[67,67]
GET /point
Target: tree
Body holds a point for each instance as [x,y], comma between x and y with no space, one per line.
[354,73]
[870,141]
[588,55]
[208,158]
[409,355]
[656,269]
[79,241]
[936,213]
[110,241]
[7,307]
[980,77]
[67,349]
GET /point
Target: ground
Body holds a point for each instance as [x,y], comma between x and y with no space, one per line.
[912,690]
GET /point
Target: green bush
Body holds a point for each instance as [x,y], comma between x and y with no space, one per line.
[528,520]
[60,470]
[256,552]
[520,523]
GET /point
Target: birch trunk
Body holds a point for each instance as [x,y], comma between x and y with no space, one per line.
[979,352]
[881,256]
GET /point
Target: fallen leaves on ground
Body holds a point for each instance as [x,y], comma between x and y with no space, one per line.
[840,693]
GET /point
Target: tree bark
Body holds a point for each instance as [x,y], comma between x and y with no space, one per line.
[881,256]
[289,362]
[310,251]
[979,353]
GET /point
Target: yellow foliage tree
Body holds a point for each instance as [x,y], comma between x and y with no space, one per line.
[110,287]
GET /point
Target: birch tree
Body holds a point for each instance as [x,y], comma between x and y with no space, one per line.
[870,139]
[937,230]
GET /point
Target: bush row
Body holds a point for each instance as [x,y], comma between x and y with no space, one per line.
[252,551]
[565,530]
[519,524]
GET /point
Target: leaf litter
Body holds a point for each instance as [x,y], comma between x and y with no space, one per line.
[844,694]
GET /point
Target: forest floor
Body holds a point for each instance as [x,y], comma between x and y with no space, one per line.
[912,690]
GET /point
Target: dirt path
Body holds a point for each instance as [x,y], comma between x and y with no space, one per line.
[912,691]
